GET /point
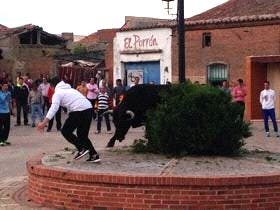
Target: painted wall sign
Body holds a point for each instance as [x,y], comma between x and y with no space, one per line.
[136,42]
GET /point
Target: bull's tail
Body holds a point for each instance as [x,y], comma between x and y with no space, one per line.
[112,141]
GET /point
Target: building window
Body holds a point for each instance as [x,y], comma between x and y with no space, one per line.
[206,40]
[217,73]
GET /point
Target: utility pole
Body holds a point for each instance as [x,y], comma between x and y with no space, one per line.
[181,38]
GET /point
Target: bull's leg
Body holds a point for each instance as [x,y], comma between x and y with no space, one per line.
[112,141]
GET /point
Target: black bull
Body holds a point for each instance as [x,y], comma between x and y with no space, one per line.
[131,112]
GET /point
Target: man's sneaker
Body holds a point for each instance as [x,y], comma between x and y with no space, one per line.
[267,134]
[97,132]
[7,143]
[18,124]
[48,130]
[94,159]
[33,125]
[81,154]
[277,134]
[2,144]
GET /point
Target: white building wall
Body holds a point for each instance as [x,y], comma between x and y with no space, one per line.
[141,46]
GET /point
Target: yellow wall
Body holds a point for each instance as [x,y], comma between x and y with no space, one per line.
[273,76]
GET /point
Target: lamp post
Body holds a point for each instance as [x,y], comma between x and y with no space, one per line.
[181,37]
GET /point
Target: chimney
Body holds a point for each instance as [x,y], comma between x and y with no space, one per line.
[68,36]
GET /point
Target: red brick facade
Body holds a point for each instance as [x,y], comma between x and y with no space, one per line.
[230,46]
[68,189]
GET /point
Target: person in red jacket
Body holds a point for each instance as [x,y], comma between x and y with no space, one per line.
[58,113]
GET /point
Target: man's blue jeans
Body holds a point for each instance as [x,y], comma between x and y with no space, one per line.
[36,109]
[269,113]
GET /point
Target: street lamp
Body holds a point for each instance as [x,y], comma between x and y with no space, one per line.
[181,37]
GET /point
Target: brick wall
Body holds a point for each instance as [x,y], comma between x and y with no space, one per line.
[30,59]
[84,190]
[230,46]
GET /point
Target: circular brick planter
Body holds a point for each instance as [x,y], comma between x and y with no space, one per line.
[70,189]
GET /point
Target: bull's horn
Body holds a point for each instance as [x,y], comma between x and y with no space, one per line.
[108,112]
[131,113]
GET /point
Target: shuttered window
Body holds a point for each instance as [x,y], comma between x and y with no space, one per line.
[217,73]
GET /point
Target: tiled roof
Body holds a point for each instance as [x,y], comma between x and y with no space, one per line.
[230,12]
[236,19]
[23,29]
[17,29]
[240,8]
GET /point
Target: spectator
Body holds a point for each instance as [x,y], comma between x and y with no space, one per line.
[82,88]
[28,81]
[118,91]
[21,96]
[92,93]
[3,77]
[238,94]
[5,118]
[35,100]
[58,113]
[103,105]
[11,88]
[43,88]
[18,76]
[267,100]
[99,79]
[225,87]
[48,78]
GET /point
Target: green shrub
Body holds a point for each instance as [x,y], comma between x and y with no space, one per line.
[193,119]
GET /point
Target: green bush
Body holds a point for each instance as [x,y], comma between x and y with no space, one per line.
[197,120]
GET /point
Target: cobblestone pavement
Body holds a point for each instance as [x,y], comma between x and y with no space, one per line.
[27,142]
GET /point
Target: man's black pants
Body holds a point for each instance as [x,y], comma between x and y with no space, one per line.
[5,120]
[81,121]
[24,107]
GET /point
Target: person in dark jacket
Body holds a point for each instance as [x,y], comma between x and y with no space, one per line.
[21,96]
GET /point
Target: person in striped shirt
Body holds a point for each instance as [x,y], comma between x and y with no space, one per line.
[102,106]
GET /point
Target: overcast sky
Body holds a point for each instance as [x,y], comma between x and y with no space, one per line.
[87,16]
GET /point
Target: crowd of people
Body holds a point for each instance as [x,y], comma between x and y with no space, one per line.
[33,97]
[45,99]
[267,101]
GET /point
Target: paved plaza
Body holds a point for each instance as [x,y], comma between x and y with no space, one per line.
[27,142]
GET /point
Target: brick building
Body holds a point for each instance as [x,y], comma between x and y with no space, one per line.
[238,39]
[29,49]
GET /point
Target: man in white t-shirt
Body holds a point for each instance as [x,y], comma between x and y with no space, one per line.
[267,100]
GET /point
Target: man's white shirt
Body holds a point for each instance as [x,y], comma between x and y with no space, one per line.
[267,99]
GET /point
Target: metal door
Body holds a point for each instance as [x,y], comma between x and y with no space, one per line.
[149,70]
